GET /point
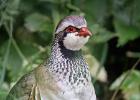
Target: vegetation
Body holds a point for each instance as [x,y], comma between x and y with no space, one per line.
[26,28]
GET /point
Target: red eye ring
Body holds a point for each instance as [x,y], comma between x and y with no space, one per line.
[70,29]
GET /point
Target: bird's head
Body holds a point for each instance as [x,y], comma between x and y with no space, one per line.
[73,32]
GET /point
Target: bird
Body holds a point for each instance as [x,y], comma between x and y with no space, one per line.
[65,74]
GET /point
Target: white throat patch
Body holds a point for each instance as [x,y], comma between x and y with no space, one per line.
[73,42]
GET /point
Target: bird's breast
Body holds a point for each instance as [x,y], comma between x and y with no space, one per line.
[69,92]
[65,81]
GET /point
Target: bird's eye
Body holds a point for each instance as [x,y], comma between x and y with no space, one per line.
[70,29]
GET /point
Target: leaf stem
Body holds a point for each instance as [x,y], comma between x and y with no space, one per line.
[9,30]
[127,74]
[19,51]
[5,62]
[133,54]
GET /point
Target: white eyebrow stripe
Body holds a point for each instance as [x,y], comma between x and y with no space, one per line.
[81,26]
[66,24]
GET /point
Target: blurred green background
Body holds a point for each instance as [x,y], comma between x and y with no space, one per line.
[26,31]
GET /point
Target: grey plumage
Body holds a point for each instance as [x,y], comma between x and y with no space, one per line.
[64,76]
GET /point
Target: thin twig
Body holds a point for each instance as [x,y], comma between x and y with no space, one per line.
[133,54]
[5,62]
[19,51]
[9,30]
[127,74]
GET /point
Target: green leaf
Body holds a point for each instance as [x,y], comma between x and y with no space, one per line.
[25,49]
[4,88]
[12,7]
[131,83]
[125,32]
[134,96]
[56,17]
[100,34]
[95,10]
[37,23]
[127,11]
[130,86]
[14,61]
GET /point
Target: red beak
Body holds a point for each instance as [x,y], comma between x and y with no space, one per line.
[84,32]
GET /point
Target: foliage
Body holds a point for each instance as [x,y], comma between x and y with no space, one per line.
[130,86]
[26,28]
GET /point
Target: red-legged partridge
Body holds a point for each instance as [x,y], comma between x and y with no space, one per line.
[65,74]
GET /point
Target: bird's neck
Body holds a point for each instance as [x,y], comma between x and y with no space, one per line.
[67,64]
[60,52]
